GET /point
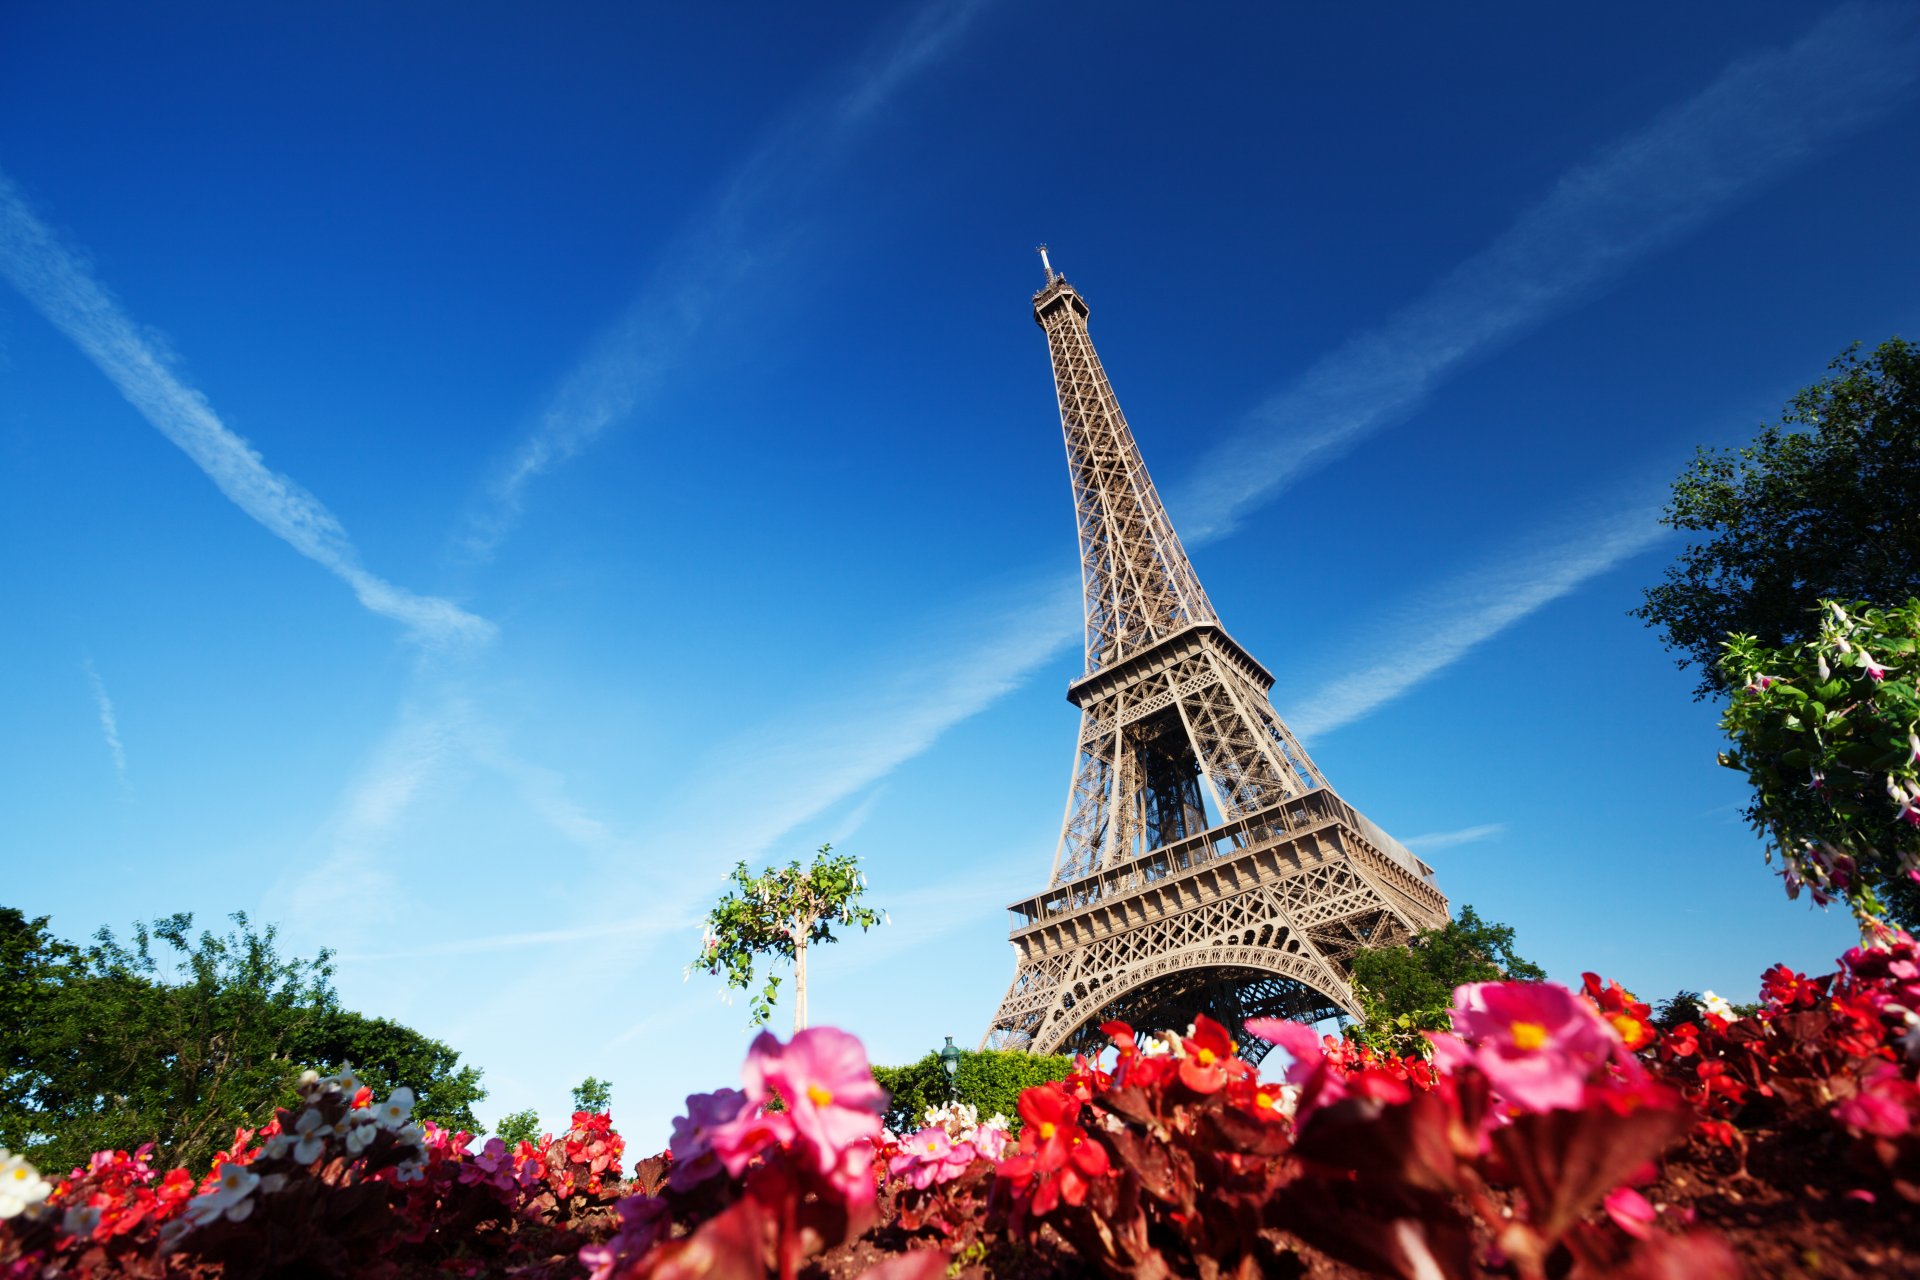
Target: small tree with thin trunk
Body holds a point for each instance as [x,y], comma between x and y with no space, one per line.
[780,913]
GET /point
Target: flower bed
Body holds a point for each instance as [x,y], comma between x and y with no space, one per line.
[1553,1133]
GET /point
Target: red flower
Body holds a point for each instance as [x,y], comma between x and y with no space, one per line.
[1629,1017]
[1209,1051]
[1056,1160]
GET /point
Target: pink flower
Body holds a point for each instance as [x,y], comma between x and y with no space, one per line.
[832,1114]
[1537,1043]
[1320,1085]
[990,1141]
[694,1157]
[1630,1210]
[1886,1105]
[828,1086]
[930,1157]
[644,1222]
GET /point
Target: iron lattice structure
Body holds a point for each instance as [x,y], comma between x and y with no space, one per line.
[1204,864]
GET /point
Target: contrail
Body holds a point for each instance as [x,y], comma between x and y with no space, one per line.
[705,263]
[109,724]
[57,281]
[1754,124]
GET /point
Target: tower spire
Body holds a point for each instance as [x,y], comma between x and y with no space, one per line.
[1138,584]
[1204,864]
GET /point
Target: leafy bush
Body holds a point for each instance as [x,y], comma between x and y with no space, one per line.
[991,1081]
[1828,734]
[1406,992]
[177,1040]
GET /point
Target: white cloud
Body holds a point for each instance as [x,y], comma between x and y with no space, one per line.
[1452,839]
[1759,119]
[1442,624]
[59,283]
[348,890]
[109,723]
[705,263]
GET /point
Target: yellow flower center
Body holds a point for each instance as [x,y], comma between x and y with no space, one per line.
[1628,1027]
[1263,1098]
[1528,1036]
[1206,1057]
[1046,1130]
[818,1096]
[19,1175]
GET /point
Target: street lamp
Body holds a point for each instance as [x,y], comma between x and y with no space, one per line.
[950,1063]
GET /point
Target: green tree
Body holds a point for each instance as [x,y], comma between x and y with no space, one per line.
[779,914]
[1823,505]
[518,1126]
[179,1040]
[1406,990]
[1828,734]
[990,1081]
[593,1094]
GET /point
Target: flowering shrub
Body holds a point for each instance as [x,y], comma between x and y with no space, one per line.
[1828,733]
[1551,1133]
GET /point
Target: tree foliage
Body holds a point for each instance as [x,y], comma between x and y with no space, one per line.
[593,1094]
[779,914]
[518,1126]
[177,1040]
[1406,990]
[990,1080]
[1828,734]
[1823,505]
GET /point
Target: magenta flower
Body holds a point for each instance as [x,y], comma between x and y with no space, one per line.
[692,1144]
[1631,1212]
[1537,1043]
[1319,1084]
[930,1157]
[1887,1106]
[827,1084]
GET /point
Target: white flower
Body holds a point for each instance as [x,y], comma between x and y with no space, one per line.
[21,1186]
[308,1079]
[393,1113]
[277,1146]
[1719,1008]
[360,1138]
[239,1210]
[80,1221]
[313,1133]
[410,1172]
[272,1182]
[349,1083]
[236,1180]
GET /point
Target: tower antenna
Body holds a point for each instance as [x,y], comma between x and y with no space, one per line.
[1042,251]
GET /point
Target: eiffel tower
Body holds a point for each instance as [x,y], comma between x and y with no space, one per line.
[1204,864]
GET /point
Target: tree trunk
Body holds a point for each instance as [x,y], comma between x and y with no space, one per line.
[799,982]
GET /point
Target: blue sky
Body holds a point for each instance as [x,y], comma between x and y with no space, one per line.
[467,483]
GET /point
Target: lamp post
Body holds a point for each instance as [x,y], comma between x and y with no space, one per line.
[950,1063]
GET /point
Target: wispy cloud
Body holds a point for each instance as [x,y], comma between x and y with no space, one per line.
[1453,839]
[705,263]
[59,283]
[348,890]
[1759,119]
[1439,626]
[650,923]
[109,723]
